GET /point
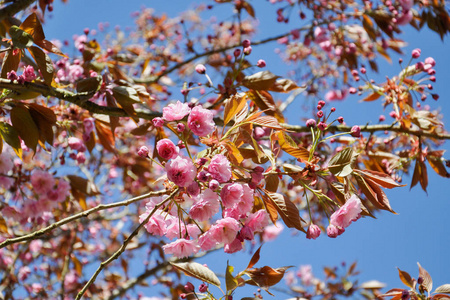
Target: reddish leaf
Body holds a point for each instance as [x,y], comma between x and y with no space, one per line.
[382,179]
[266,276]
[381,196]
[10,62]
[420,175]
[289,146]
[105,136]
[234,105]
[44,63]
[285,85]
[263,80]
[427,281]
[26,127]
[287,210]
[405,278]
[267,121]
[372,97]
[254,259]
[33,26]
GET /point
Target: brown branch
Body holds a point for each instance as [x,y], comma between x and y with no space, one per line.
[38,233]
[155,79]
[14,8]
[124,245]
[373,129]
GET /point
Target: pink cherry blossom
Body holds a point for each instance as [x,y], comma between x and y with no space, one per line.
[181,248]
[167,149]
[243,206]
[175,112]
[29,74]
[75,143]
[231,194]
[200,121]
[258,220]
[271,232]
[181,171]
[225,230]
[233,247]
[207,205]
[6,163]
[157,224]
[206,241]
[348,213]
[42,181]
[220,168]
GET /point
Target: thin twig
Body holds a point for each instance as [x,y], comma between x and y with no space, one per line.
[374,128]
[124,245]
[38,233]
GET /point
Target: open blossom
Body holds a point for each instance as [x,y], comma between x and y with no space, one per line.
[271,232]
[175,112]
[225,230]
[42,181]
[348,213]
[167,149]
[233,247]
[243,206]
[157,224]
[206,206]
[258,220]
[181,248]
[231,194]
[181,171]
[200,121]
[220,168]
[6,163]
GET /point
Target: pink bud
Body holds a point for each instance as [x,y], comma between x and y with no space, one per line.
[313,232]
[311,123]
[246,43]
[416,53]
[261,63]
[200,69]
[143,152]
[248,50]
[158,122]
[356,131]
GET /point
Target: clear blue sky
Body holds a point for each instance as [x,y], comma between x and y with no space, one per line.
[420,231]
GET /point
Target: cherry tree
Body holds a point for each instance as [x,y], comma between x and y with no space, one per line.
[163,144]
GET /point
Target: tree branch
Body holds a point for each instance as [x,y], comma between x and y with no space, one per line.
[124,245]
[154,79]
[37,234]
[14,8]
[373,129]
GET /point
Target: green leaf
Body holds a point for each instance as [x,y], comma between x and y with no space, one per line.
[11,137]
[198,271]
[91,84]
[20,38]
[125,95]
[341,163]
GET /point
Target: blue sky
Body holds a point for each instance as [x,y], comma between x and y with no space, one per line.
[419,233]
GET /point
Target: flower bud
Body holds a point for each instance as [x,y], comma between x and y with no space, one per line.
[143,152]
[200,69]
